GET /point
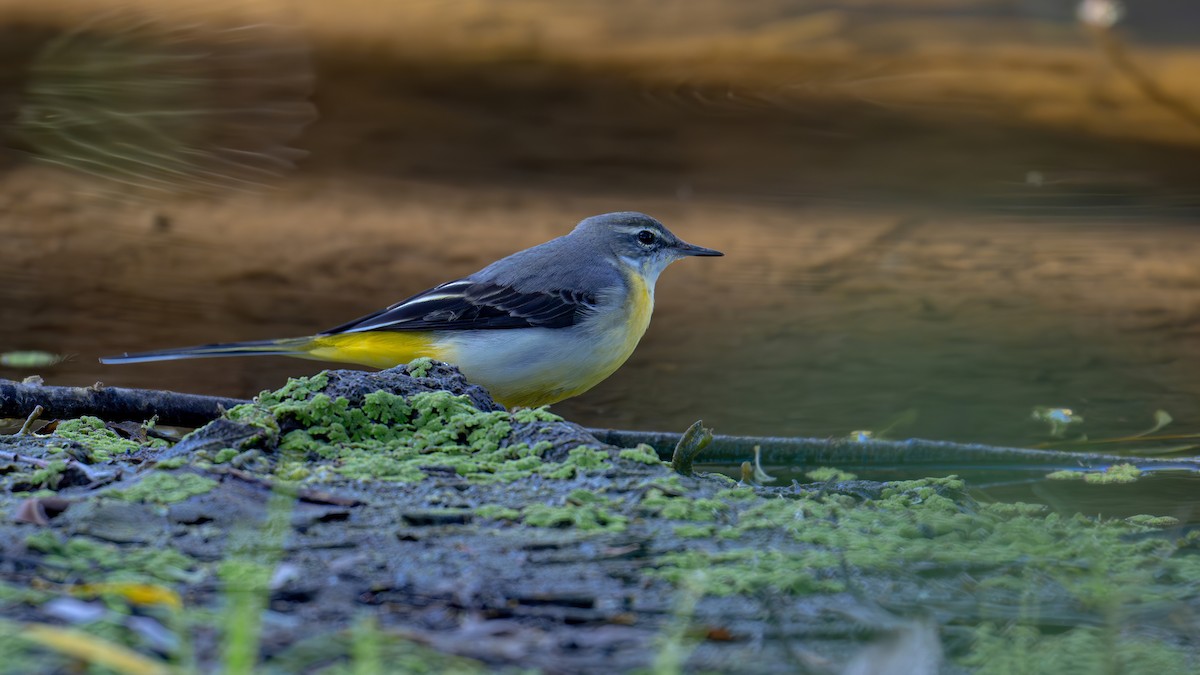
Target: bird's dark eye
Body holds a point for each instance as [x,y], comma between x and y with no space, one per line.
[646,237]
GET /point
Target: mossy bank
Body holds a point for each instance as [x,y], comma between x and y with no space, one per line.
[403,516]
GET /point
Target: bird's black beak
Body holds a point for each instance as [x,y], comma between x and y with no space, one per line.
[685,248]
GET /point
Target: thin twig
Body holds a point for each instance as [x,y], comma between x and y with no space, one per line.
[33,417]
[113,403]
[193,410]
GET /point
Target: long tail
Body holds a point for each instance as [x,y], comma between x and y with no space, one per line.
[287,347]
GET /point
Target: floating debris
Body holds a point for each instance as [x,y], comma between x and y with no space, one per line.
[1059,419]
[33,359]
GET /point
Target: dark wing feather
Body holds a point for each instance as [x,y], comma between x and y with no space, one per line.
[471,305]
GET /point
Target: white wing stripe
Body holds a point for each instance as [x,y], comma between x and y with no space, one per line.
[430,298]
[414,301]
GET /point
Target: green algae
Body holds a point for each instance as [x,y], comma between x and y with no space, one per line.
[166,488]
[1117,473]
[1153,521]
[1014,509]
[1079,651]
[1102,566]
[78,555]
[926,523]
[829,474]
[102,443]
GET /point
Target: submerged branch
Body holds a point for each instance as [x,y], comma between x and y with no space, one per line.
[193,410]
[18,400]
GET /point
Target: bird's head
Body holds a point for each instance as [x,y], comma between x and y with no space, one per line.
[636,240]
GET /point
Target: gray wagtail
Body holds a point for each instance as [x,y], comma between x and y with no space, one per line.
[539,326]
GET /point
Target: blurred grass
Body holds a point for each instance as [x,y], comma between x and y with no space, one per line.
[167,106]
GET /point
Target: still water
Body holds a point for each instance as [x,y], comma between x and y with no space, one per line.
[913,249]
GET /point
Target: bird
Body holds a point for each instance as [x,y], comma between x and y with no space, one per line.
[534,328]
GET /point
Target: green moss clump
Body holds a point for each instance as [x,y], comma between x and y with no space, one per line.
[1014,509]
[166,488]
[13,594]
[585,517]
[393,438]
[682,507]
[584,457]
[642,453]
[171,463]
[47,476]
[102,443]
[80,556]
[1153,521]
[296,389]
[256,415]
[497,512]
[584,510]
[419,367]
[693,531]
[533,415]
[1117,473]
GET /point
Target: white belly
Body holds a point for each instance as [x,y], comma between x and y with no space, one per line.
[536,366]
